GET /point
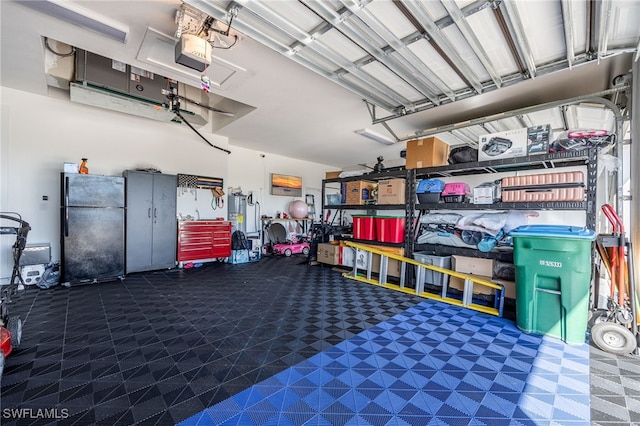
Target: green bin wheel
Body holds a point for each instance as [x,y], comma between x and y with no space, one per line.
[613,338]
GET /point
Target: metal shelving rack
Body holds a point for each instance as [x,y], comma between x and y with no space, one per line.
[408,207]
[531,162]
[374,176]
[587,157]
[549,162]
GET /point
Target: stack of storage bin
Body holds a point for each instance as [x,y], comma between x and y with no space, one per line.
[364,227]
[390,229]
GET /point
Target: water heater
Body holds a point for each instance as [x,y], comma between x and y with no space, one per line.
[237,211]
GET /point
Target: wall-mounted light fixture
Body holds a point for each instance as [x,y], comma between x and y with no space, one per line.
[82,17]
[367,133]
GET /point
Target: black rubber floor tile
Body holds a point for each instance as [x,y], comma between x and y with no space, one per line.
[161,346]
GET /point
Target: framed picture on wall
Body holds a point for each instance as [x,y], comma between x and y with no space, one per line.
[286,185]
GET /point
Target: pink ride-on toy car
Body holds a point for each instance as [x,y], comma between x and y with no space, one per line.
[291,248]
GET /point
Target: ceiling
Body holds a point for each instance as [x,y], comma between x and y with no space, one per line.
[317,71]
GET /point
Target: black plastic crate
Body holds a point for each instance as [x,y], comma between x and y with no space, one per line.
[428,197]
[454,198]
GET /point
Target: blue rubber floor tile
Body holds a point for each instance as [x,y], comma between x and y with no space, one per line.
[207,349]
[429,364]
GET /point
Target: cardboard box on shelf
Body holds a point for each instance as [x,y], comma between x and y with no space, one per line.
[394,267]
[483,268]
[333,175]
[427,152]
[483,195]
[328,253]
[357,192]
[472,265]
[391,191]
[458,284]
[347,256]
[509,286]
[507,144]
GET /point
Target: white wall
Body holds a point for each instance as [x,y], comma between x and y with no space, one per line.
[39,134]
[251,171]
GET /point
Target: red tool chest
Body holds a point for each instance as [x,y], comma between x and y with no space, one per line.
[204,240]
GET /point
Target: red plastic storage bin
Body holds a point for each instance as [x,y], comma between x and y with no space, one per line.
[364,228]
[390,229]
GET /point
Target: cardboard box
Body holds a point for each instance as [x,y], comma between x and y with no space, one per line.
[458,284]
[483,195]
[511,143]
[485,269]
[347,256]
[70,167]
[328,253]
[538,139]
[357,192]
[333,175]
[509,286]
[427,152]
[391,191]
[472,265]
[394,267]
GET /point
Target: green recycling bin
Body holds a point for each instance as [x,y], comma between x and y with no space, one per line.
[553,277]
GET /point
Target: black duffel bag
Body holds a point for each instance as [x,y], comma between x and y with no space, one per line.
[463,154]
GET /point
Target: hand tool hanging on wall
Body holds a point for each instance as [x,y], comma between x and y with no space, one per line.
[218,198]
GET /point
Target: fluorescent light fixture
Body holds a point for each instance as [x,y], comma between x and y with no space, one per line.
[367,133]
[82,17]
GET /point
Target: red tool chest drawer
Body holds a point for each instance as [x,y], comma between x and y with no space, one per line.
[204,240]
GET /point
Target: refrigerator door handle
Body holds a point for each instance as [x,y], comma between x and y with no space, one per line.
[66,206]
[155,214]
[149,212]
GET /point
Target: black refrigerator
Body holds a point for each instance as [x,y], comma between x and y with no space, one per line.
[92,228]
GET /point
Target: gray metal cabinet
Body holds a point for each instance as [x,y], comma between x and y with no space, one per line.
[151,226]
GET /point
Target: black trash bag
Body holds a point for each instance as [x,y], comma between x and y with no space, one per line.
[463,154]
[50,277]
